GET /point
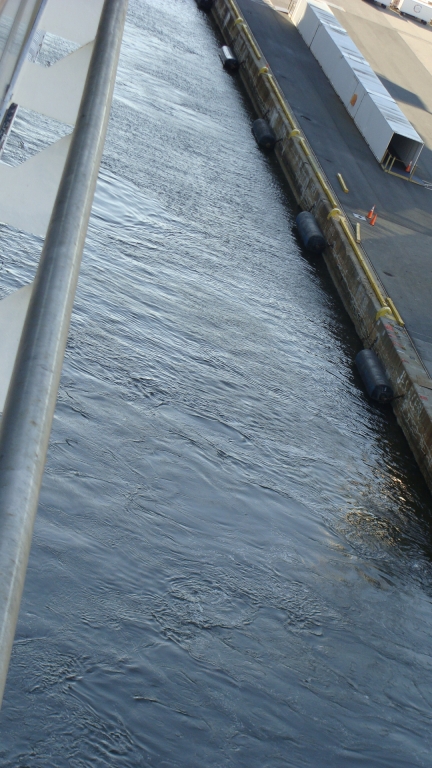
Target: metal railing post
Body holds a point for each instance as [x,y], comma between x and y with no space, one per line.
[29,408]
[37,8]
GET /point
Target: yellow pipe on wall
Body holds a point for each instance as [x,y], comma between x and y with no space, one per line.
[392,306]
[325,186]
[282,101]
[252,42]
[241,23]
[383,312]
[234,9]
[366,269]
[304,147]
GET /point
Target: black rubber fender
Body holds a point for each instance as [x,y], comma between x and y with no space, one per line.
[310,233]
[229,61]
[374,376]
[264,134]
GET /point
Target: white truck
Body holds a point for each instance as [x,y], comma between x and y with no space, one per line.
[414,8]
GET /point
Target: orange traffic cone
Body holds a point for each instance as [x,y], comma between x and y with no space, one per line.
[371,212]
[373,220]
[408,168]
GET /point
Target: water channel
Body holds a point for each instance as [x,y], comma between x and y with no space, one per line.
[231,563]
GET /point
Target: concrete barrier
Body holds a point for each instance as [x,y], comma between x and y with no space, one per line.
[374,315]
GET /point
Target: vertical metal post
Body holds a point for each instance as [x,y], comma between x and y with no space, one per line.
[29,408]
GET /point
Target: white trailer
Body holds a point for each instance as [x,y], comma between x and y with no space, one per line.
[308,16]
[330,46]
[376,114]
[414,8]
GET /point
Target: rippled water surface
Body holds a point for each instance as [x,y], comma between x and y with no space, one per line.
[231,563]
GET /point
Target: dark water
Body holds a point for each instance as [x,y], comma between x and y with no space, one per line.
[232,557]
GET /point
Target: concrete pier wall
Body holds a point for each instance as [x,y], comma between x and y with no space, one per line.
[375,317]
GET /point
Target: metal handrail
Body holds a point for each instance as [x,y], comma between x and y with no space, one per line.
[37,8]
[30,404]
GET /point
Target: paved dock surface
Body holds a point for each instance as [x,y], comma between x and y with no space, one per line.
[400,51]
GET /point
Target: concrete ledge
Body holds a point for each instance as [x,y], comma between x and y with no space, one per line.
[361,296]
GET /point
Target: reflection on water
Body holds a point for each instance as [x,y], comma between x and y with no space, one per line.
[231,563]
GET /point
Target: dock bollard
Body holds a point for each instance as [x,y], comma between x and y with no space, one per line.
[358,233]
[341,181]
[374,376]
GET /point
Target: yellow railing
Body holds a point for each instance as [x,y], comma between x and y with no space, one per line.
[365,266]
